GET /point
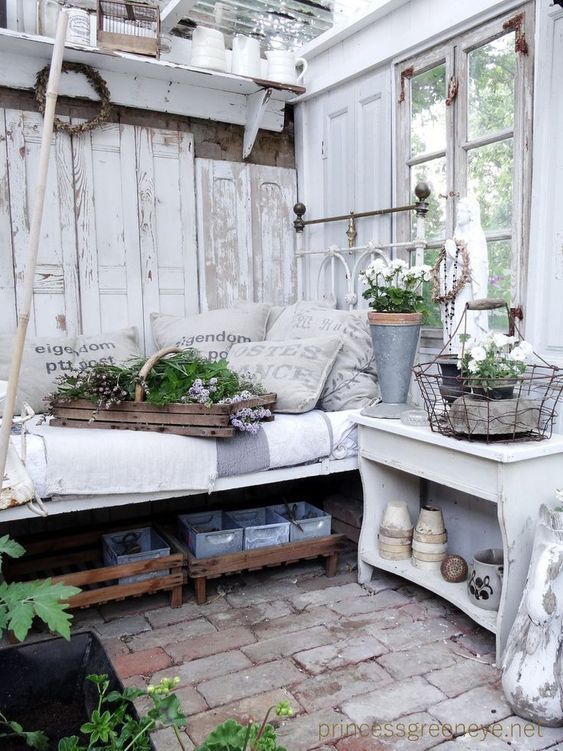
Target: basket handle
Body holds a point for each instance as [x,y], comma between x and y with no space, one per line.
[486,303]
[148,366]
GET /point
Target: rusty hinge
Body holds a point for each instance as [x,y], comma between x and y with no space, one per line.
[513,315]
[453,88]
[515,24]
[406,73]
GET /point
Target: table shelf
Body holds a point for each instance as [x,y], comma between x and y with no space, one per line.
[432,580]
[490,496]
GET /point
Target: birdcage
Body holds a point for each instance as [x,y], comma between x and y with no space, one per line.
[517,406]
[128,26]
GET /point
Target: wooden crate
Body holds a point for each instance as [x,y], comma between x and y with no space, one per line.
[202,569]
[181,419]
[75,558]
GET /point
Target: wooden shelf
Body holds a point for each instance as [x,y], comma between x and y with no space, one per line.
[158,85]
[432,580]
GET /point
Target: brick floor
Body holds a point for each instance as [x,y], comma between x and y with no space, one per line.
[380,667]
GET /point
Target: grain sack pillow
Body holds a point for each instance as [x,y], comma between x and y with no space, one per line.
[46,358]
[352,382]
[108,347]
[212,333]
[296,370]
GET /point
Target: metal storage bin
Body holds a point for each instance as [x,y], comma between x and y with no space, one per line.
[263,527]
[314,522]
[119,547]
[210,533]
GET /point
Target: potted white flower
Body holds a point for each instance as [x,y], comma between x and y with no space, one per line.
[493,364]
[393,290]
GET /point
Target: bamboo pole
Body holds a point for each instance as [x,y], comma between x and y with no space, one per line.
[34,233]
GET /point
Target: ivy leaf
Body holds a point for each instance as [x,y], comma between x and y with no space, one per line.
[69,744]
[36,739]
[10,548]
[20,619]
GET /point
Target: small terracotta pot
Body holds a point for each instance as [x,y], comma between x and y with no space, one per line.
[430,547]
[394,319]
[434,539]
[430,521]
[396,517]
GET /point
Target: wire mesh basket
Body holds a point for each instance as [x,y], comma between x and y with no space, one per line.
[513,408]
[128,26]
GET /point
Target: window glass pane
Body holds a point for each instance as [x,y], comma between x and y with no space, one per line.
[500,260]
[490,181]
[433,173]
[492,69]
[428,120]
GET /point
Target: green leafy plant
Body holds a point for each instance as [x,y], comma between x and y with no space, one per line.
[252,736]
[184,377]
[21,602]
[495,357]
[112,726]
[394,287]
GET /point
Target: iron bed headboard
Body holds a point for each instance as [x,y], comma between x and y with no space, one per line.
[351,258]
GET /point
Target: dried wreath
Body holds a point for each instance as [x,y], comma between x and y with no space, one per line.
[97,83]
[459,282]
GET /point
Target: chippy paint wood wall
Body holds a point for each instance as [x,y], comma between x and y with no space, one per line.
[119,236]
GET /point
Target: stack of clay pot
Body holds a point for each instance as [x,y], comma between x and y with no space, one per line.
[395,532]
[430,540]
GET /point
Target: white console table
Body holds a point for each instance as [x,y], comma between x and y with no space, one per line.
[515,477]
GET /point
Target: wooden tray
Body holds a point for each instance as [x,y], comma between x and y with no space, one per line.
[75,558]
[181,419]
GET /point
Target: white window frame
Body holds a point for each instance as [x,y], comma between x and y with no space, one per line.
[454,53]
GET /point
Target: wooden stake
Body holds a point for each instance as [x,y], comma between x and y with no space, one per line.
[34,233]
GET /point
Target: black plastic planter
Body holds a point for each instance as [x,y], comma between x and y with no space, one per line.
[45,682]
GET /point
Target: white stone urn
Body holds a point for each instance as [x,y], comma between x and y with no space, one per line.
[533,661]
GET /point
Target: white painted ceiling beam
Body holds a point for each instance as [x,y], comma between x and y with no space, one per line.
[172,13]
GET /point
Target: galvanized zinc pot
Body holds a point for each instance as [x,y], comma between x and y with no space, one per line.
[395,341]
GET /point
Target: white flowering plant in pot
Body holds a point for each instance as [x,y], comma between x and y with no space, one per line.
[394,287]
[493,362]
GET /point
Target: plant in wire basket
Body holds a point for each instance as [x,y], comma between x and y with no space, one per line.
[493,362]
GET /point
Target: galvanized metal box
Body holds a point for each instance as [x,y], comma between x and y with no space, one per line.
[210,533]
[263,527]
[305,520]
[135,545]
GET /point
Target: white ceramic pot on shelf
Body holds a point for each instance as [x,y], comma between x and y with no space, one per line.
[208,49]
[282,67]
[246,57]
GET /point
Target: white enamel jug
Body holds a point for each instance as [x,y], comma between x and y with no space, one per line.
[78,29]
[246,57]
[208,49]
[282,67]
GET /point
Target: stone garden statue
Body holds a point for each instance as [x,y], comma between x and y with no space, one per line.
[532,667]
[464,274]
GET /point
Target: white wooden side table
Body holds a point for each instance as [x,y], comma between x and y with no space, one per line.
[516,478]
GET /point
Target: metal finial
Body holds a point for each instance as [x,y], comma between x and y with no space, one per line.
[299,209]
[351,232]
[422,192]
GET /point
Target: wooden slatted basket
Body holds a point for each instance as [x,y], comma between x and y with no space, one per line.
[181,419]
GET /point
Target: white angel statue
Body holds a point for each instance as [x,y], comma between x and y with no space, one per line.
[468,246]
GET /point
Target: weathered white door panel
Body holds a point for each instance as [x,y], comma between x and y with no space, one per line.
[245,233]
[7,288]
[273,195]
[56,296]
[107,229]
[166,198]
[224,233]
